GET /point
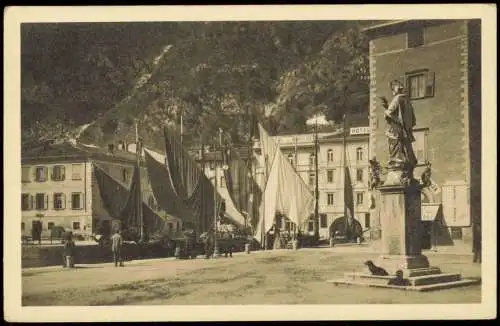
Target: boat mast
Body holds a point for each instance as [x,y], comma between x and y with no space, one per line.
[138,150]
[344,166]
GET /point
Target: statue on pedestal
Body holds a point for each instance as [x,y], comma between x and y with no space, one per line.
[400,118]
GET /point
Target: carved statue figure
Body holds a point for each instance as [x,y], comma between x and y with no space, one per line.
[400,118]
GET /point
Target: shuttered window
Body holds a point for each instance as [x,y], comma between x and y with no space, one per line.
[420,84]
[76,171]
[58,173]
[26,203]
[41,173]
[41,201]
[59,201]
[25,174]
[76,200]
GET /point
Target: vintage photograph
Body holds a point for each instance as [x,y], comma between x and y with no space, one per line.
[251,162]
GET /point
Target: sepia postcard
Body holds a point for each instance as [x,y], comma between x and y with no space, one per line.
[250,163]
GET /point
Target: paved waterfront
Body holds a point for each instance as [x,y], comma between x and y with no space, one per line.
[270,277]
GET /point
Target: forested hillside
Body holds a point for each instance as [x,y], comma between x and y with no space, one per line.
[218,74]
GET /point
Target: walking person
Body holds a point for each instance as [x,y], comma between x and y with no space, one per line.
[116,247]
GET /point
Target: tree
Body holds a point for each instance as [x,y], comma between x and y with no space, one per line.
[334,82]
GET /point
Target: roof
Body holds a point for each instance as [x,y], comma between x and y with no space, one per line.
[383,25]
[67,151]
[396,26]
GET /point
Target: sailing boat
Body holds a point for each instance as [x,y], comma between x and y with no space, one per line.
[346,228]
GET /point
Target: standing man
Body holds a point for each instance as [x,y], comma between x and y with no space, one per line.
[116,246]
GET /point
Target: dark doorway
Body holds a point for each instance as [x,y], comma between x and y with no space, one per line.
[426,237]
[36,230]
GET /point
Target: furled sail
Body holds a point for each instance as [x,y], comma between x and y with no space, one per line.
[122,202]
[240,187]
[285,191]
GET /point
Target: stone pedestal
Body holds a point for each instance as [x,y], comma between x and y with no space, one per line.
[400,223]
[400,220]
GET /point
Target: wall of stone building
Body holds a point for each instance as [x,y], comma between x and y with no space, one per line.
[475,123]
[447,114]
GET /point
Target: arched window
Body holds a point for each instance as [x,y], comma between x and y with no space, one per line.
[312,159]
[329,155]
[291,159]
[359,154]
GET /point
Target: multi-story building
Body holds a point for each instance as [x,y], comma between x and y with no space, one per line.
[440,63]
[59,187]
[300,151]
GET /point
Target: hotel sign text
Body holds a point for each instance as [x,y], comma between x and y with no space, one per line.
[359,131]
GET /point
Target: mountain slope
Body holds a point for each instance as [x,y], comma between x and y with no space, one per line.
[216,73]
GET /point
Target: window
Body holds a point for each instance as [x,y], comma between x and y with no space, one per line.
[415,38]
[23,226]
[456,233]
[76,225]
[25,174]
[359,175]
[329,155]
[416,87]
[125,175]
[41,174]
[312,179]
[291,159]
[59,201]
[323,220]
[312,159]
[420,84]
[170,227]
[222,182]
[41,201]
[359,154]
[310,225]
[359,198]
[76,171]
[367,220]
[50,225]
[26,202]
[211,165]
[76,200]
[329,176]
[58,173]
[330,199]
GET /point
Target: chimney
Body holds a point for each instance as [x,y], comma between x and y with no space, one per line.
[111,149]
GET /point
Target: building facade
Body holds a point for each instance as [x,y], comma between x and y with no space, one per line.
[439,62]
[300,151]
[59,188]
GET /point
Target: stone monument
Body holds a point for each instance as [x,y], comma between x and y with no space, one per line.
[401,263]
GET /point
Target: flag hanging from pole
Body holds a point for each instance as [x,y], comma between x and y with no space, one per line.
[348,195]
